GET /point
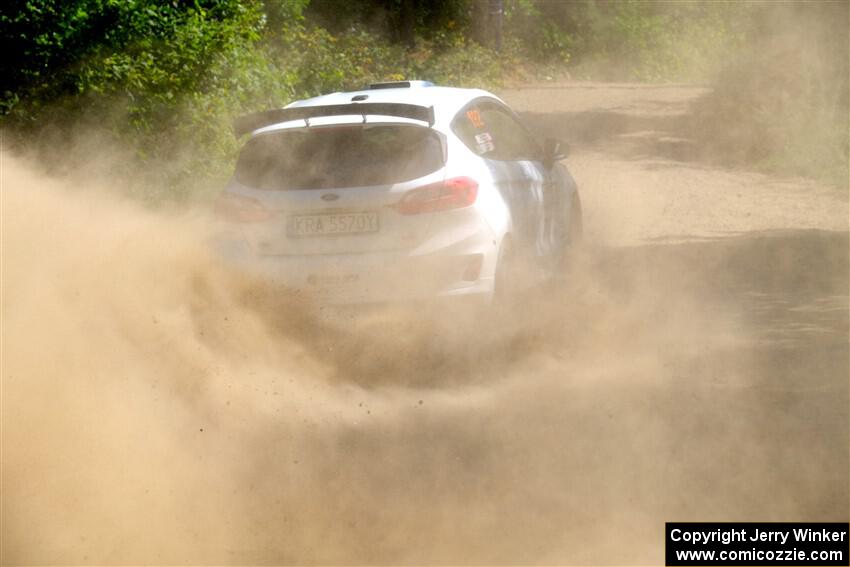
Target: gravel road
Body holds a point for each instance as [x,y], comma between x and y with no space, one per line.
[693,368]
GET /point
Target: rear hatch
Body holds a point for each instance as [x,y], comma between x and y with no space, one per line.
[333,189]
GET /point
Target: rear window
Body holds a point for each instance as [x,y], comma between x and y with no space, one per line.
[333,157]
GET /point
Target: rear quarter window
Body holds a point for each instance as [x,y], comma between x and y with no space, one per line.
[491,131]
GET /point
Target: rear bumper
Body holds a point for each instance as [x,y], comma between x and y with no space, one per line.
[462,269]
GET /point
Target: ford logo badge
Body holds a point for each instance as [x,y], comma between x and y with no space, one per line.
[330,197]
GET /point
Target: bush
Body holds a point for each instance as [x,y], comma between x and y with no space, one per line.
[166,80]
[647,40]
[162,79]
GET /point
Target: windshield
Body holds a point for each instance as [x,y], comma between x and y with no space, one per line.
[339,156]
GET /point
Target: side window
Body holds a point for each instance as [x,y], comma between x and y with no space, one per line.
[492,132]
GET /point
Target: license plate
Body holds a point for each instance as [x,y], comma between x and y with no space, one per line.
[330,224]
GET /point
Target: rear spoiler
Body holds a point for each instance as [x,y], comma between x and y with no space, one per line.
[251,122]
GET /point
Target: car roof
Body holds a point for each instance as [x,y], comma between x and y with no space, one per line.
[447,101]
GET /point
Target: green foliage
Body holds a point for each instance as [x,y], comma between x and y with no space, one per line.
[162,77]
[391,19]
[647,40]
[165,78]
[450,58]
[534,33]
[322,62]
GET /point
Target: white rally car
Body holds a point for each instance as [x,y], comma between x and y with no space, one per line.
[400,192]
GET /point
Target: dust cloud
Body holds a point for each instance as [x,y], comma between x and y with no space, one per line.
[160,408]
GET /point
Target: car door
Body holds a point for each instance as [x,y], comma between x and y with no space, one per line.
[491,130]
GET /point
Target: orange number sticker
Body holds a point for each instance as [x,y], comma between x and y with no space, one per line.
[475,117]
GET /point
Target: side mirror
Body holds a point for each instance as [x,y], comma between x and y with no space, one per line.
[553,151]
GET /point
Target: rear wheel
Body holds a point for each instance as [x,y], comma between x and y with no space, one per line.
[573,235]
[575,231]
[505,283]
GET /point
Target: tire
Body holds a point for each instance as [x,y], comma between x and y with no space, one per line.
[572,238]
[505,285]
[575,231]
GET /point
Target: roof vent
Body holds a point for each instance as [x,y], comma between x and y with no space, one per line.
[400,85]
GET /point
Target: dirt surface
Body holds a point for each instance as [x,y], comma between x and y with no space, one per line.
[159,409]
[644,179]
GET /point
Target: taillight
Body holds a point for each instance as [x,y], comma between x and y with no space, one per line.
[450,194]
[240,209]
